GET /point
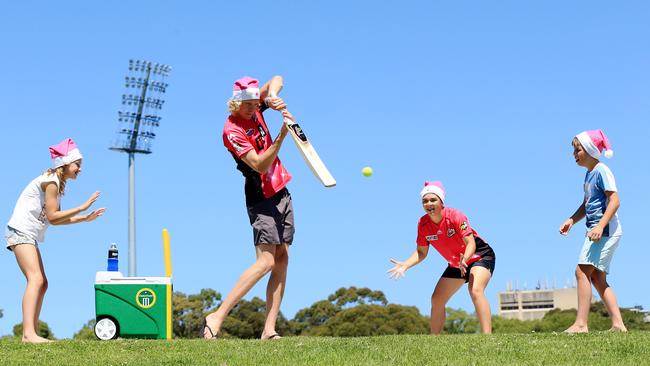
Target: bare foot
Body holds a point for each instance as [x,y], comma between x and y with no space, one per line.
[618,329]
[577,329]
[271,337]
[36,339]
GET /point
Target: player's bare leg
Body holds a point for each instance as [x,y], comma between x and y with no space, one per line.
[39,303]
[599,279]
[30,263]
[263,265]
[445,288]
[478,280]
[583,278]
[275,291]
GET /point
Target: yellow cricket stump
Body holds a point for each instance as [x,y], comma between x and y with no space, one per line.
[168,273]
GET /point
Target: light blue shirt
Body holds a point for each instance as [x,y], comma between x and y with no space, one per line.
[597,182]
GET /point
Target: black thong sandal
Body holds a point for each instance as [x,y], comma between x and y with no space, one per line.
[202,334]
[273,336]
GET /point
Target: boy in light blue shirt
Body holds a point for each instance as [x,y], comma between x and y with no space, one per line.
[597,182]
[604,231]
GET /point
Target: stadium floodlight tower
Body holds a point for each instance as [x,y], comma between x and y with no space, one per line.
[138,118]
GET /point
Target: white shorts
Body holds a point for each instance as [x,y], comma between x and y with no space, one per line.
[14,237]
[599,254]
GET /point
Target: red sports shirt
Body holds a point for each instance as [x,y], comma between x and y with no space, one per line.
[241,136]
[447,237]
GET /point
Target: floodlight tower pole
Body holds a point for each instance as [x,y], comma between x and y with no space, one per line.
[137,120]
[132,267]
[133,144]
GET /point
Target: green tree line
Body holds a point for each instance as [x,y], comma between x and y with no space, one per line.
[353,312]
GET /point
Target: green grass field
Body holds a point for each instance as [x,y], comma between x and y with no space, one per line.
[598,348]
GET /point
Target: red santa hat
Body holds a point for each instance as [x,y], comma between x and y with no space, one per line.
[594,142]
[65,153]
[246,88]
[435,188]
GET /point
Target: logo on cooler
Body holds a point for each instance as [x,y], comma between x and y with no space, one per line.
[145,298]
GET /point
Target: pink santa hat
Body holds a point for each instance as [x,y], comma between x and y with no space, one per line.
[594,142]
[435,188]
[64,153]
[246,88]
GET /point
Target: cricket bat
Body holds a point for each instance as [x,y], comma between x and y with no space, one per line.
[309,154]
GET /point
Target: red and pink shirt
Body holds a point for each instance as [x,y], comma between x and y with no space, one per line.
[447,236]
[241,136]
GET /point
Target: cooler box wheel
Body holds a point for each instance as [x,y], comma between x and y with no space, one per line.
[106,329]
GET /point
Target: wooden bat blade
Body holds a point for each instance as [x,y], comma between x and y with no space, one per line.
[310,155]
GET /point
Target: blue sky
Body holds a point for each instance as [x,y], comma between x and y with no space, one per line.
[484,96]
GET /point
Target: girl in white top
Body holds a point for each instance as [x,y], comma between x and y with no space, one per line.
[39,206]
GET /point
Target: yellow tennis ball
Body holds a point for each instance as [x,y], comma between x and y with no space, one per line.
[366,171]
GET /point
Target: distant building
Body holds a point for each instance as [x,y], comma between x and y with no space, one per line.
[639,309]
[534,304]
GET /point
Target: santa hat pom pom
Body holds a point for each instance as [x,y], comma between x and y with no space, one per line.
[609,154]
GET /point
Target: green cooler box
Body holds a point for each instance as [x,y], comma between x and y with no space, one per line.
[132,307]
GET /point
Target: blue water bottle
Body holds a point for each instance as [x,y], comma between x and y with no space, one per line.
[112,258]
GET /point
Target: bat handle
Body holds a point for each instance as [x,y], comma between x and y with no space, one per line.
[287,121]
[273,95]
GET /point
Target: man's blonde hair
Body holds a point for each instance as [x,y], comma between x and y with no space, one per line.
[233,106]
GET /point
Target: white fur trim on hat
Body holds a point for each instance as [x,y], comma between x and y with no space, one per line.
[73,155]
[431,188]
[588,145]
[246,94]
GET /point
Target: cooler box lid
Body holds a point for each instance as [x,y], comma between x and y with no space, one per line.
[116,278]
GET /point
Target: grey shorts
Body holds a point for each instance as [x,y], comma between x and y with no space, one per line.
[272,220]
[14,237]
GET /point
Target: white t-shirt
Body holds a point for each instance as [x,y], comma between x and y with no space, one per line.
[29,214]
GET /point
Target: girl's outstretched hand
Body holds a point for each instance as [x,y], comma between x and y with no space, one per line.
[86,205]
[566,226]
[95,214]
[398,271]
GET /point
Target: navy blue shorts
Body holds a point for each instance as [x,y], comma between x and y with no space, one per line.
[487,261]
